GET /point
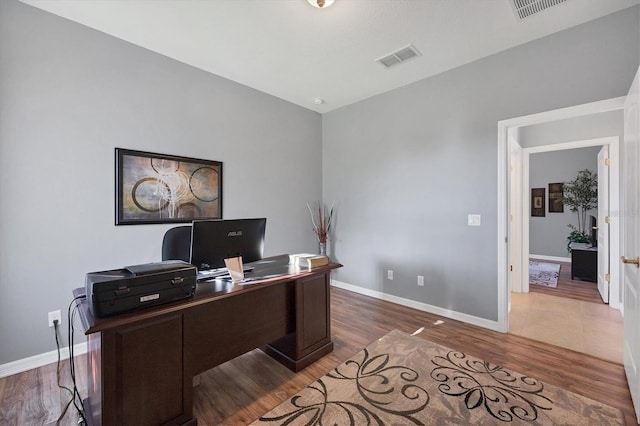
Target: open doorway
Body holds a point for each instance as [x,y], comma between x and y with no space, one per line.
[514,228]
[552,269]
[552,242]
[564,307]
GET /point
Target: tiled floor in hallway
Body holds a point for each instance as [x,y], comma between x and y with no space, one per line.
[591,328]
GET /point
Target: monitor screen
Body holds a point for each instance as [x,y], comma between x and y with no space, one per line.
[213,241]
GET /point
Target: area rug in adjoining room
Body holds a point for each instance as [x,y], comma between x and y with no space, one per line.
[542,273]
[402,379]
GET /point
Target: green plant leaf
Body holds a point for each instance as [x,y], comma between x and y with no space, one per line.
[581,195]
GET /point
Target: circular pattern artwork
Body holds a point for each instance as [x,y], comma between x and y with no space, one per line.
[153,188]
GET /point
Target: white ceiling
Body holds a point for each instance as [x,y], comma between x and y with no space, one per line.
[298,53]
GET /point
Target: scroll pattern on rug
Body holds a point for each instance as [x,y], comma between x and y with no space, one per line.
[407,380]
[371,377]
[484,385]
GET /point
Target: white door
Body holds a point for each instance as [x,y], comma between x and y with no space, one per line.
[631,241]
[603,223]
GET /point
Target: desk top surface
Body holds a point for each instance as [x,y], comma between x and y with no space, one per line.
[267,272]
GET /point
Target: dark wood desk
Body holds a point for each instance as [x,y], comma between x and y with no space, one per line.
[141,365]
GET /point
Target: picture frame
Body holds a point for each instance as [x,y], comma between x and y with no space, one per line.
[156,188]
[556,191]
[537,202]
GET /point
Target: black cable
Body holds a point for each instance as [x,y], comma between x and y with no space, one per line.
[80,408]
[75,394]
[66,407]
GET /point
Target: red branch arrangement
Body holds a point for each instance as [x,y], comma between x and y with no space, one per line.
[321,219]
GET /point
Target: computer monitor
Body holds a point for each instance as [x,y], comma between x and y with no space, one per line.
[213,241]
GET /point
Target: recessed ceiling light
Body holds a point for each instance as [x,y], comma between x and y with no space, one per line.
[321,4]
[318,101]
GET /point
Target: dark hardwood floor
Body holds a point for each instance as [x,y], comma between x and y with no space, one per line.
[572,289]
[241,390]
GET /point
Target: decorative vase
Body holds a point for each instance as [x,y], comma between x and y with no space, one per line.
[322,248]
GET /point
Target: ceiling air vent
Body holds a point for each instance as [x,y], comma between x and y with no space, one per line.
[399,56]
[526,8]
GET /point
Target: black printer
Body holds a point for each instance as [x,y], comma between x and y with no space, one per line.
[133,287]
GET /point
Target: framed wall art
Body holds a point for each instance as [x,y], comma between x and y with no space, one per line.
[159,188]
[555,198]
[537,202]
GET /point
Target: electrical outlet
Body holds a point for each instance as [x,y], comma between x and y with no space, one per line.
[420,281]
[55,315]
[389,274]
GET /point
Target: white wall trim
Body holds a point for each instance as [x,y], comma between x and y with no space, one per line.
[615,267]
[514,247]
[550,258]
[447,313]
[564,113]
[40,360]
[607,140]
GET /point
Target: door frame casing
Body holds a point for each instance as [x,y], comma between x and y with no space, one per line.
[603,227]
[504,186]
[515,213]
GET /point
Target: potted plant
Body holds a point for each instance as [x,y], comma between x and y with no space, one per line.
[321,217]
[581,195]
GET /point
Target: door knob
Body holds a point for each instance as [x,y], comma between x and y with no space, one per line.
[635,261]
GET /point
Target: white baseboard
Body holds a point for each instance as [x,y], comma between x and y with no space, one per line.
[551,258]
[459,316]
[36,361]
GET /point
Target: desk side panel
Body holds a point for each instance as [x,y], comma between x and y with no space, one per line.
[311,338]
[93,404]
[312,294]
[145,365]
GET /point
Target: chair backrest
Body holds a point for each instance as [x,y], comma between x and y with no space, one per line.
[176,244]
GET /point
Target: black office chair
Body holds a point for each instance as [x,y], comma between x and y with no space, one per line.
[176,244]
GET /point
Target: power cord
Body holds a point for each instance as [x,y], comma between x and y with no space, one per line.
[66,407]
[76,399]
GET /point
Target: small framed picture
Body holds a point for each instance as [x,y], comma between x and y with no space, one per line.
[537,202]
[159,188]
[555,198]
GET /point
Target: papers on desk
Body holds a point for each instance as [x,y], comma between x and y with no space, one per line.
[308,260]
[211,274]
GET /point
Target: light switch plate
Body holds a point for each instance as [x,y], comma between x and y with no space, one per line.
[473,220]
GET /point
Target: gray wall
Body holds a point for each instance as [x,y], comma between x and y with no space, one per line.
[68,96]
[548,234]
[407,166]
[574,129]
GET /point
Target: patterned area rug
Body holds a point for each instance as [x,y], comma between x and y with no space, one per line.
[546,274]
[405,380]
